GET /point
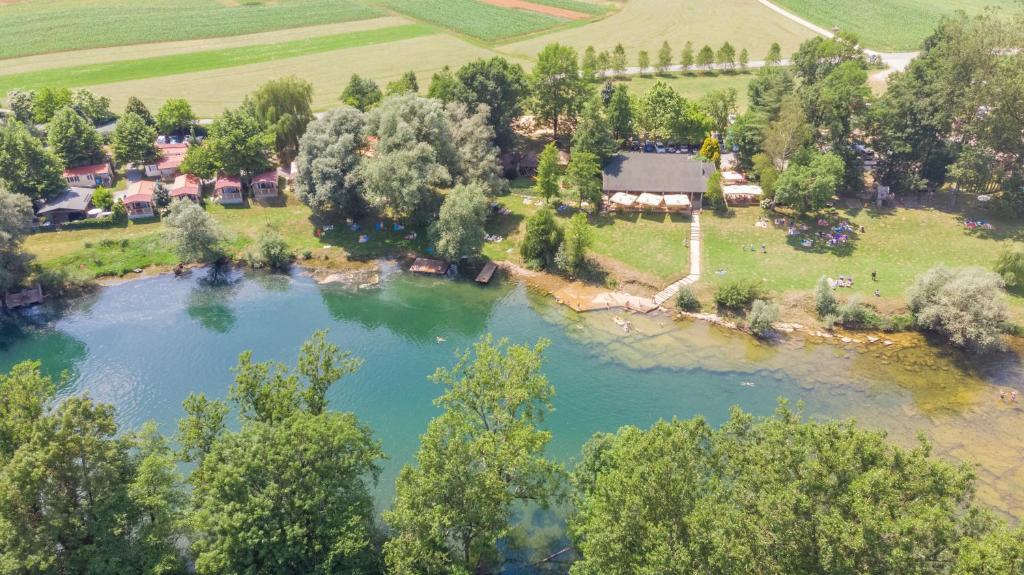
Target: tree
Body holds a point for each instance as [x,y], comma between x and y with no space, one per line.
[477,460]
[643,61]
[594,132]
[767,88]
[459,229]
[620,113]
[134,140]
[92,107]
[618,60]
[283,107]
[444,85]
[686,58]
[685,497]
[239,143]
[789,134]
[103,198]
[476,154]
[658,112]
[192,233]
[26,166]
[541,241]
[329,154]
[774,56]
[713,194]
[547,172]
[579,236]
[16,215]
[726,56]
[270,252]
[401,183]
[584,175]
[706,57]
[20,102]
[404,84]
[135,106]
[1010,266]
[762,318]
[588,64]
[664,57]
[766,173]
[502,86]
[745,136]
[825,302]
[810,187]
[47,102]
[558,90]
[719,105]
[744,59]
[965,305]
[201,162]
[710,150]
[175,117]
[361,93]
[818,57]
[73,139]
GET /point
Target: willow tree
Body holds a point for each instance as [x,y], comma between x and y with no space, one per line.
[283,107]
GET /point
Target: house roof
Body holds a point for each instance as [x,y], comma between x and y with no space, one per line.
[94,169]
[185,185]
[140,191]
[226,182]
[171,155]
[657,173]
[71,200]
[270,176]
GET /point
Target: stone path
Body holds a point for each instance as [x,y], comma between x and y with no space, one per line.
[670,292]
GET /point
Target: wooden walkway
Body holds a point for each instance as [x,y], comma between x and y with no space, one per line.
[486,273]
[671,291]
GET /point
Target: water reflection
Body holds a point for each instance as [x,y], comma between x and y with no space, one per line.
[210,299]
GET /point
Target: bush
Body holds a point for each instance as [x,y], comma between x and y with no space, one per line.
[965,305]
[103,198]
[542,239]
[762,318]
[829,321]
[119,213]
[853,314]
[686,301]
[1011,266]
[270,251]
[737,294]
[714,195]
[824,298]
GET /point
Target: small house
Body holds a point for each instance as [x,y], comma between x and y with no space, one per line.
[186,186]
[90,176]
[228,190]
[665,182]
[166,165]
[264,186]
[69,206]
[139,199]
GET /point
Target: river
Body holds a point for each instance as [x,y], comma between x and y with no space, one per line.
[145,345]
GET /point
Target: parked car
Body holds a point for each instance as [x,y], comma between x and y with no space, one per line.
[659,147]
[649,147]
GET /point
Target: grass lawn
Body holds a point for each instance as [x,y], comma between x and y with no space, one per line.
[899,244]
[693,86]
[137,69]
[888,25]
[40,26]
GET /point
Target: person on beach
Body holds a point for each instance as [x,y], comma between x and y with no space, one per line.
[1002,395]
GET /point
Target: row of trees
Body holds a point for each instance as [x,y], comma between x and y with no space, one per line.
[288,489]
[596,65]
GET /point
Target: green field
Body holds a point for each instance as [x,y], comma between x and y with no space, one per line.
[39,26]
[124,70]
[576,6]
[693,86]
[477,19]
[887,25]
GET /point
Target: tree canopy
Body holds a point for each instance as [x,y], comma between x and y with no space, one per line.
[192,233]
[27,167]
[499,84]
[175,116]
[133,141]
[556,85]
[329,153]
[74,139]
[16,215]
[283,107]
[239,144]
[361,93]
[966,305]
[459,229]
[810,187]
[542,238]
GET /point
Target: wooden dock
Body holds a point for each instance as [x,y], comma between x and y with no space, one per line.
[429,266]
[24,298]
[487,273]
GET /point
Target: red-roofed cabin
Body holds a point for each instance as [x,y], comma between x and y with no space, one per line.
[228,190]
[90,176]
[264,186]
[138,199]
[186,186]
[166,166]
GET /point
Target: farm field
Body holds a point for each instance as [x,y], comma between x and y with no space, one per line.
[645,24]
[886,25]
[207,60]
[475,18]
[39,26]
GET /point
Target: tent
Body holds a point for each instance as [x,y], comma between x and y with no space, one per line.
[623,199]
[650,200]
[677,200]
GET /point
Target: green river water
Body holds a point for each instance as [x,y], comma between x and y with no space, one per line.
[145,345]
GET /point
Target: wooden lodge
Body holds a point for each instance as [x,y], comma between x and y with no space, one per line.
[637,181]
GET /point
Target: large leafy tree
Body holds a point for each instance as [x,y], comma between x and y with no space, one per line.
[662,113]
[476,154]
[499,84]
[594,131]
[548,172]
[175,117]
[405,83]
[401,183]
[789,134]
[361,93]
[771,495]
[239,143]
[818,57]
[572,254]
[26,166]
[542,238]
[620,113]
[719,105]
[767,88]
[283,106]
[15,221]
[810,187]
[477,460]
[290,491]
[47,101]
[329,153]
[20,102]
[556,85]
[193,234]
[135,106]
[73,138]
[965,305]
[134,141]
[459,229]
[91,106]
[584,176]
[746,134]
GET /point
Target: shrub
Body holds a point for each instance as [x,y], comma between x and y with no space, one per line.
[1011,266]
[119,213]
[853,314]
[762,318]
[829,321]
[686,301]
[714,195]
[824,298]
[270,251]
[103,198]
[307,254]
[738,294]
[542,239]
[161,197]
[965,305]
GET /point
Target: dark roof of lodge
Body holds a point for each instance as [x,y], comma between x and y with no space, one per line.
[70,200]
[656,173]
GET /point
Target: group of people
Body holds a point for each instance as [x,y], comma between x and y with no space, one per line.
[1002,395]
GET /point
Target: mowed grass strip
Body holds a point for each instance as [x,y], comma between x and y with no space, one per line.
[41,26]
[109,72]
[477,19]
[887,24]
[577,6]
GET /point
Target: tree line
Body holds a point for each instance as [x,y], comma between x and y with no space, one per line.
[276,481]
